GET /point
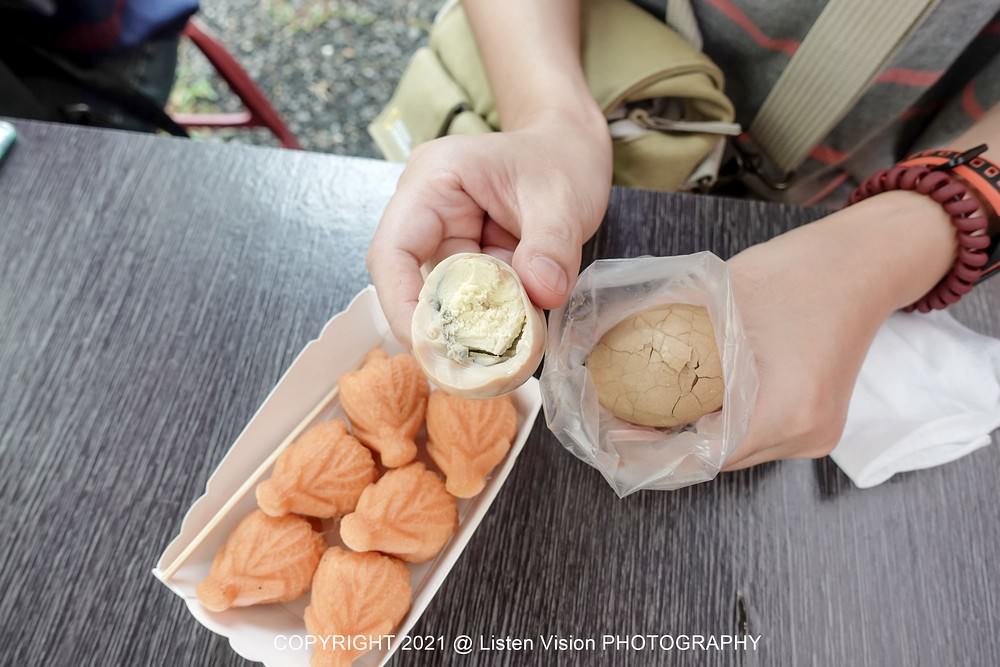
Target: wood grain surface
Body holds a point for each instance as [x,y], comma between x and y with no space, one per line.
[153,290]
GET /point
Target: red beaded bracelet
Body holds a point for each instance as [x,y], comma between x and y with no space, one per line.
[945,177]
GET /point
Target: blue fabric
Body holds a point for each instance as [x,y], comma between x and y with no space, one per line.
[142,18]
[93,25]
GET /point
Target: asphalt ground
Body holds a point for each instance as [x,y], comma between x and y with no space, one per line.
[328,66]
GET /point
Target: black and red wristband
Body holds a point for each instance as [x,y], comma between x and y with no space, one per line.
[967,186]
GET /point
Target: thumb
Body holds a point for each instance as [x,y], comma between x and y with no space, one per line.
[547,258]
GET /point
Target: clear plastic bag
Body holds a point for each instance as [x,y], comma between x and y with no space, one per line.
[632,457]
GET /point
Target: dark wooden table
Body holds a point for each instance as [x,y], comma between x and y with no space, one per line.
[153,290]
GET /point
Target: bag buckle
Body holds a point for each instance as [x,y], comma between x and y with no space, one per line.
[746,166]
[752,163]
[962,158]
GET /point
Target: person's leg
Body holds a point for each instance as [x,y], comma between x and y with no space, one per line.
[150,68]
[99,91]
[18,100]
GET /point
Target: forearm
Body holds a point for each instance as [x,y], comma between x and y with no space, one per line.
[923,238]
[531,50]
[888,250]
[902,243]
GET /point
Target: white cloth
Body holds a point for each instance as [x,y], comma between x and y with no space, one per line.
[928,393]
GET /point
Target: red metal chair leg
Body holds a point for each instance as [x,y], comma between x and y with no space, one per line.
[259,111]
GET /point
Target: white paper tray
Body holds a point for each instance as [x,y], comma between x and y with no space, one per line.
[252,631]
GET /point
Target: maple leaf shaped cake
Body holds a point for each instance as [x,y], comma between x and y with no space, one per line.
[321,474]
[468,437]
[407,514]
[386,400]
[266,559]
[355,595]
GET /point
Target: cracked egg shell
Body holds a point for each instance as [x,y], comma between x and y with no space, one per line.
[490,295]
[659,367]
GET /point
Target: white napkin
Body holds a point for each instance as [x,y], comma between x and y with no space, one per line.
[928,393]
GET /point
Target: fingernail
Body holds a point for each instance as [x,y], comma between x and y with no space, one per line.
[549,274]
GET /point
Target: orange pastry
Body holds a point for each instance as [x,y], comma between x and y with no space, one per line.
[467,437]
[321,474]
[407,514]
[386,400]
[266,559]
[359,598]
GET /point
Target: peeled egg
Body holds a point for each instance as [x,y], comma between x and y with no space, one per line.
[475,332]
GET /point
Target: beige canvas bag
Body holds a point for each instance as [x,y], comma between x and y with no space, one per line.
[663,97]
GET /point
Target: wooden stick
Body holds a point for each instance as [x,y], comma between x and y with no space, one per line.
[247,485]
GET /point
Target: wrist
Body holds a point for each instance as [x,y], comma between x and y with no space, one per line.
[578,127]
[557,100]
[582,136]
[899,244]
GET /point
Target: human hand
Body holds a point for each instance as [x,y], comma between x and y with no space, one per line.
[531,197]
[811,301]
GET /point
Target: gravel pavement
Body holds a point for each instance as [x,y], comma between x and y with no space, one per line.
[328,66]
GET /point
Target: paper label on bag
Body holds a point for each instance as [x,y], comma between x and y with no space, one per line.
[397,130]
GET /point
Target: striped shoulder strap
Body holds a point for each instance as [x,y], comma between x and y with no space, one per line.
[843,52]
